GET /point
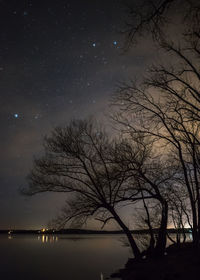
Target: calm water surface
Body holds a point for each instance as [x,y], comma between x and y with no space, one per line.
[66,257]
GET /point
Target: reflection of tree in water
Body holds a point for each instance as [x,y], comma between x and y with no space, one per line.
[74,238]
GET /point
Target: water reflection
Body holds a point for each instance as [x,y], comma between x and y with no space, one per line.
[9,235]
[91,257]
[48,238]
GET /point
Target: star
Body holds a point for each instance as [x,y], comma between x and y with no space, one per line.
[94,45]
[36,116]
[16,116]
[115,43]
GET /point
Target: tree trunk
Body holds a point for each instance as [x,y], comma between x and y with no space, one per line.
[195,224]
[198,224]
[162,234]
[134,247]
[150,249]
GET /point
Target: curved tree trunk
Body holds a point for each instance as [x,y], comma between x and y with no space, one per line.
[150,249]
[134,247]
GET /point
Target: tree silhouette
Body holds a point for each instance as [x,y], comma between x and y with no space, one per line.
[154,18]
[148,179]
[165,107]
[78,159]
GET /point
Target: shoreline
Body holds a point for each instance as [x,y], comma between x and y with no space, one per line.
[81,231]
[179,263]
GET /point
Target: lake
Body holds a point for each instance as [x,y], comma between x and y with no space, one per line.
[55,257]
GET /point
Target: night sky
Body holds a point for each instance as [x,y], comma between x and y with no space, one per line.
[58,61]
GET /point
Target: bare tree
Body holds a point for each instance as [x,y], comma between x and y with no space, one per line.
[148,218]
[179,212]
[78,160]
[151,178]
[166,107]
[155,17]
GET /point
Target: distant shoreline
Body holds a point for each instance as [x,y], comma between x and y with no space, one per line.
[82,231]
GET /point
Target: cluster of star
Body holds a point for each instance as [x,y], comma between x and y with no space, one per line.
[17,116]
[95,44]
